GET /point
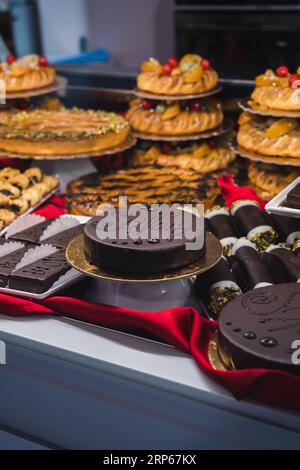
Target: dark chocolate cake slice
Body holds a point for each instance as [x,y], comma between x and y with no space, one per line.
[39,276]
[62,239]
[32,234]
[10,260]
[293,197]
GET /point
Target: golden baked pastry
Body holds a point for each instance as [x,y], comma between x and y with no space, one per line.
[148,184]
[20,191]
[176,119]
[60,132]
[203,157]
[269,136]
[278,90]
[269,180]
[28,73]
[191,75]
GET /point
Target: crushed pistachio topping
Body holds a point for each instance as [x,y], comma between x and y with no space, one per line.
[220,297]
[265,239]
[40,124]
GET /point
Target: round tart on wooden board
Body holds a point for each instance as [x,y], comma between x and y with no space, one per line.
[27,73]
[191,75]
[60,131]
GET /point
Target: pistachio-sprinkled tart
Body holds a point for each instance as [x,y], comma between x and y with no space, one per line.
[60,131]
[271,136]
[191,75]
[179,118]
[27,73]
[278,89]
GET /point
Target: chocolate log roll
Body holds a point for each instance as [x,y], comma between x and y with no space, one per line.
[221,226]
[254,268]
[252,224]
[284,263]
[218,286]
[287,227]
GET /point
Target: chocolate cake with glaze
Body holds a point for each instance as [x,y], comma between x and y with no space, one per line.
[257,329]
[143,255]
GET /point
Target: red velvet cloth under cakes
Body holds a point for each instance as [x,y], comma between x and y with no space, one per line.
[183,328]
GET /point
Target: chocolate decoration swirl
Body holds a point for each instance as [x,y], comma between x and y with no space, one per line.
[272,316]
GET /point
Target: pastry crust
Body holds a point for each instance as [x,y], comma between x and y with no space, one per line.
[142,184]
[154,82]
[253,137]
[270,180]
[31,80]
[217,159]
[281,98]
[185,123]
[61,132]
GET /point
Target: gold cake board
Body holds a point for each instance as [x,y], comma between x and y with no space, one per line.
[76,257]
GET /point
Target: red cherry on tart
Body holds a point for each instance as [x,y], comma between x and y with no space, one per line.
[205,64]
[211,144]
[166,69]
[294,81]
[10,59]
[43,61]
[146,104]
[196,106]
[173,62]
[282,71]
[166,149]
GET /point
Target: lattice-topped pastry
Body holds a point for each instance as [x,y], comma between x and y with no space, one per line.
[278,90]
[27,73]
[142,184]
[176,119]
[269,180]
[272,136]
[191,75]
[60,131]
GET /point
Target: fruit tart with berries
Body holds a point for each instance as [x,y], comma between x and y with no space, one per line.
[269,136]
[61,131]
[279,90]
[179,118]
[191,75]
[27,73]
[204,157]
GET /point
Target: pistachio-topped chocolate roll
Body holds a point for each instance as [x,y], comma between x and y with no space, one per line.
[252,224]
[217,287]
[283,263]
[220,224]
[287,227]
[252,265]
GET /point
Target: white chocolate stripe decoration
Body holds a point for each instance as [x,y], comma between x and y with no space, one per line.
[292,238]
[257,230]
[35,254]
[236,206]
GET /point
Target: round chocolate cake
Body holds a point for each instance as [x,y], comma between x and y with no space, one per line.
[143,254]
[257,330]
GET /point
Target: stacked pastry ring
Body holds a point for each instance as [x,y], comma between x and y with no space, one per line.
[173,108]
[269,126]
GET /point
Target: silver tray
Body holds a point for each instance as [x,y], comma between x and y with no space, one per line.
[275,206]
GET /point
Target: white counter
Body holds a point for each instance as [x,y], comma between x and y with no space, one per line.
[79,386]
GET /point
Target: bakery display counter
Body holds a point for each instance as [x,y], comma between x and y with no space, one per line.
[78,386]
